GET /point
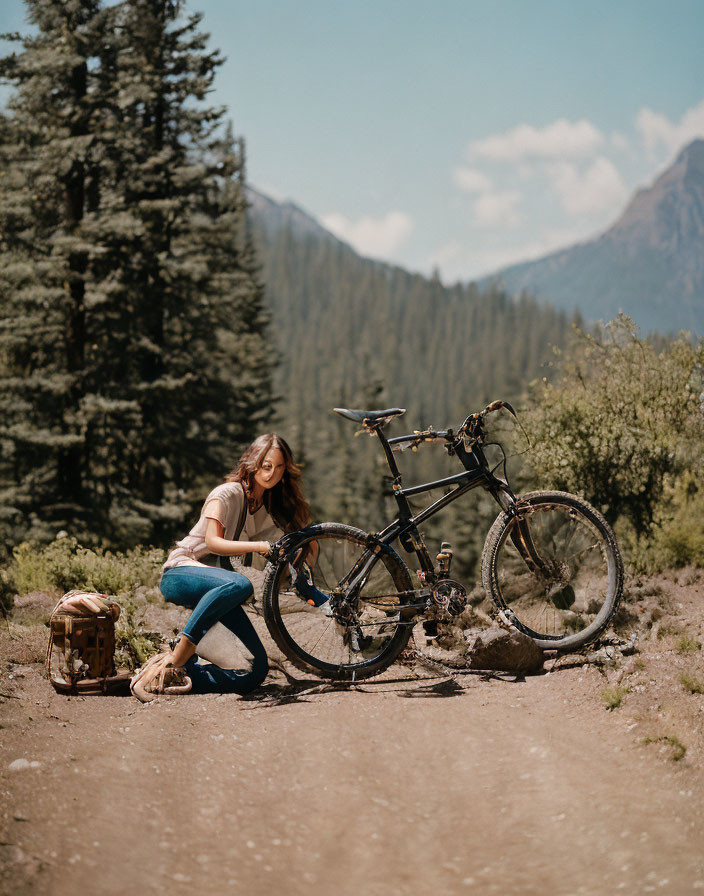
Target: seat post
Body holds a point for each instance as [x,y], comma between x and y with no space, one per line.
[401,500]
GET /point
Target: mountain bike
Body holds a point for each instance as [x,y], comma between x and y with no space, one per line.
[341,603]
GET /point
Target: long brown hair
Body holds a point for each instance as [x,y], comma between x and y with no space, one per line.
[284,502]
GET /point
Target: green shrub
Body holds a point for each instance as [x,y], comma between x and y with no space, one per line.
[676,536]
[134,643]
[64,565]
[623,418]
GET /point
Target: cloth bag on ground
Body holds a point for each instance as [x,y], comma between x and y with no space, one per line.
[80,658]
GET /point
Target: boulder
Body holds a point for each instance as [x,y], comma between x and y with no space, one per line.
[504,650]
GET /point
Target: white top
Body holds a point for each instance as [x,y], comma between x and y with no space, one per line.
[259,526]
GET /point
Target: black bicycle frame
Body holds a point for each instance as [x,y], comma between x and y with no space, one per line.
[405,526]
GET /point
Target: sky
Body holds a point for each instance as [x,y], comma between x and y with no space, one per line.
[457,135]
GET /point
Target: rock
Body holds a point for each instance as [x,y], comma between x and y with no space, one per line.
[504,650]
[20,764]
[445,657]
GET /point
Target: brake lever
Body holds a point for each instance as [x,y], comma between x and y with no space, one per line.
[279,549]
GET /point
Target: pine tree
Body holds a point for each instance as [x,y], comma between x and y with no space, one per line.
[48,183]
[133,362]
[193,281]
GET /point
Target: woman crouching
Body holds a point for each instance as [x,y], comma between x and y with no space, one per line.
[259,500]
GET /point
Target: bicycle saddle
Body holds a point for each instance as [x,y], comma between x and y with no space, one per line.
[369,418]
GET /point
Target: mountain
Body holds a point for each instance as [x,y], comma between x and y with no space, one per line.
[650,263]
[273,217]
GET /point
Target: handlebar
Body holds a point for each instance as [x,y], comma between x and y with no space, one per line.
[416,438]
[470,429]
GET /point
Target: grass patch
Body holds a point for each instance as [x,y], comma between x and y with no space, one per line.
[687,644]
[134,643]
[64,565]
[677,747]
[639,665]
[613,696]
[692,683]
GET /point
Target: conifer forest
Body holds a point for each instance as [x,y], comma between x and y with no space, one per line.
[133,345]
[151,324]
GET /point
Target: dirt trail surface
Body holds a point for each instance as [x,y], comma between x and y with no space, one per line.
[409,783]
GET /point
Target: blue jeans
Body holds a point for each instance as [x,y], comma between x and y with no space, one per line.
[216,595]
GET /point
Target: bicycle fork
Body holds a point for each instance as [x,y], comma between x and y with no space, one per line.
[560,591]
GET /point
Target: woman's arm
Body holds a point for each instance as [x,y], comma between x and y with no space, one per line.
[216,544]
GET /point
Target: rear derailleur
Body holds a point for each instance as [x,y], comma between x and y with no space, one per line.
[344,614]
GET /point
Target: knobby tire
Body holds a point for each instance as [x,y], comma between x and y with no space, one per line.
[282,610]
[569,597]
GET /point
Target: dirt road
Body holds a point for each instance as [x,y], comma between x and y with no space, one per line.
[404,785]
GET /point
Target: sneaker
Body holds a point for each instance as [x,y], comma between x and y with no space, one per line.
[314,597]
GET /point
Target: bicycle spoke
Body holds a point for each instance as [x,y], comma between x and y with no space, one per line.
[376,617]
[565,594]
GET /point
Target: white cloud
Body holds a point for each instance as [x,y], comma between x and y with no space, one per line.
[471,180]
[376,237]
[498,209]
[561,139]
[598,189]
[619,140]
[657,129]
[492,208]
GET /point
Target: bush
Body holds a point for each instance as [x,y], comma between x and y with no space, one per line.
[134,643]
[64,565]
[676,536]
[624,419]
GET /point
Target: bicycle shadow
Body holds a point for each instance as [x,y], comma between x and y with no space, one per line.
[310,690]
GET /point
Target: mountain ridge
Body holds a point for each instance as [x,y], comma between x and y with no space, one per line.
[273,216]
[649,263]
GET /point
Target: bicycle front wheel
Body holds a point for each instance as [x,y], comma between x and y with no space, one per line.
[311,636]
[553,566]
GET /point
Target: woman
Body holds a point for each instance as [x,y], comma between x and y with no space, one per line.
[261,497]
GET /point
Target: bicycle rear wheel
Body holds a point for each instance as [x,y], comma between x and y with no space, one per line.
[310,636]
[553,566]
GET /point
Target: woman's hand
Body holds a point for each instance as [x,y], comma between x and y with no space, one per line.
[263,547]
